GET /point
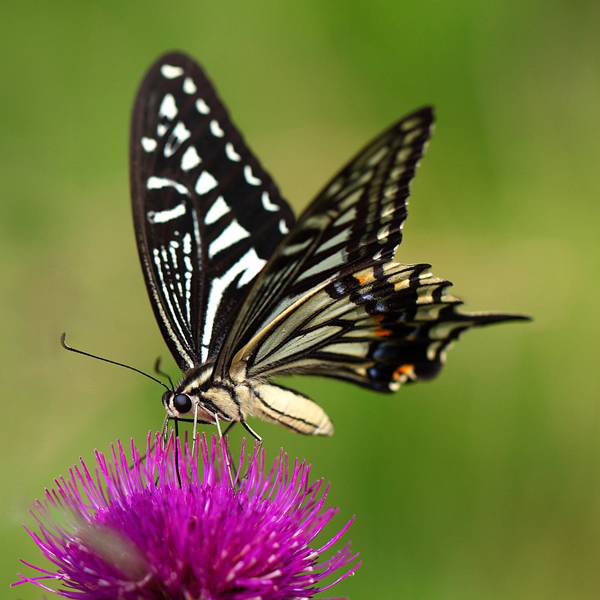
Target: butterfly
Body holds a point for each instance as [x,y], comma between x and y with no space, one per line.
[243,292]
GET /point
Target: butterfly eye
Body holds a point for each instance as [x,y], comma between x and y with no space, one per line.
[182,403]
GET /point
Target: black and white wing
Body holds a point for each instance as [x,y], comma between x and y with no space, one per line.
[332,300]
[206,214]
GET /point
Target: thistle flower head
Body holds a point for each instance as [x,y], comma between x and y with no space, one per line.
[173,526]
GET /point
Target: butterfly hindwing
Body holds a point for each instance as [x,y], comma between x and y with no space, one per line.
[207,216]
[378,327]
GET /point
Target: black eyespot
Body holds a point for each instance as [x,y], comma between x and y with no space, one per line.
[182,403]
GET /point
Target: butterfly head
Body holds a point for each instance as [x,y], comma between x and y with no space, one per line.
[194,403]
[199,396]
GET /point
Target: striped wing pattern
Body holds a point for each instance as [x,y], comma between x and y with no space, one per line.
[354,223]
[206,214]
[378,327]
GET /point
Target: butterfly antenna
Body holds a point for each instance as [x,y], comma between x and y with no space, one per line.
[160,372]
[113,362]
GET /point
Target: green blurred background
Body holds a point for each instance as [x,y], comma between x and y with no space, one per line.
[482,484]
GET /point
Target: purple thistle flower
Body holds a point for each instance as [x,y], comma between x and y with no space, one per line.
[163,530]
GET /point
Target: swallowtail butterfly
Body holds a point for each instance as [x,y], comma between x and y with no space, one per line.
[243,292]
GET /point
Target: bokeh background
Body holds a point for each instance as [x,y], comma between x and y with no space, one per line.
[482,484]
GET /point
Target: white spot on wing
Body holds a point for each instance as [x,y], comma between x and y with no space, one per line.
[187,244]
[171,71]
[390,191]
[410,124]
[432,350]
[188,266]
[383,233]
[379,154]
[173,247]
[231,153]
[157,183]
[189,87]
[215,129]
[168,108]
[164,216]
[202,107]
[267,204]
[404,154]
[179,135]
[216,211]
[205,183]
[252,264]
[334,188]
[250,177]
[249,266]
[283,227]
[190,159]
[161,129]
[411,136]
[232,234]
[148,144]
[388,211]
[181,132]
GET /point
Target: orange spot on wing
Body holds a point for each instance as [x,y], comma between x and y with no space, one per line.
[400,285]
[408,370]
[363,278]
[382,332]
[378,318]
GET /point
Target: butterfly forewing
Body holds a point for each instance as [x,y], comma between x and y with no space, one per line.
[207,216]
[353,223]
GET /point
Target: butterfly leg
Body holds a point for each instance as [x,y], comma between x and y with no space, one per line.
[252,433]
[226,446]
[195,430]
[177,451]
[229,428]
[163,431]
